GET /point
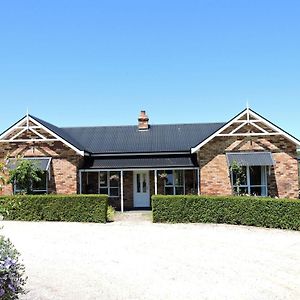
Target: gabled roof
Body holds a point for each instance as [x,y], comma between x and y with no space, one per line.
[60,132]
[246,119]
[128,139]
[43,131]
[165,138]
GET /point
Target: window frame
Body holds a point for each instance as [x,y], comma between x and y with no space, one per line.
[108,186]
[34,191]
[248,185]
[174,185]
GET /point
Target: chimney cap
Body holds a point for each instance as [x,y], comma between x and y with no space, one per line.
[143,121]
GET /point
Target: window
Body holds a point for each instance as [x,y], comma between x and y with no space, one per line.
[109,183]
[253,181]
[174,182]
[40,187]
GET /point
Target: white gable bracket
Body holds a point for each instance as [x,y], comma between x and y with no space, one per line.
[252,119]
[24,125]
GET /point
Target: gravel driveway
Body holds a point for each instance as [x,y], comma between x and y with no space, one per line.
[140,260]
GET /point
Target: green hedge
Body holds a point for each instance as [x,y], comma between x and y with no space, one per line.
[72,208]
[253,211]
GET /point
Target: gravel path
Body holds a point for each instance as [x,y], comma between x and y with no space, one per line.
[140,260]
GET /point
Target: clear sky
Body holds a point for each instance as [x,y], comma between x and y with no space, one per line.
[101,62]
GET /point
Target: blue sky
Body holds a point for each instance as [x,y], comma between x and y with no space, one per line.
[101,62]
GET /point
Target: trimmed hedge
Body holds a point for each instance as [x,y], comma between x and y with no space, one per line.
[70,208]
[252,211]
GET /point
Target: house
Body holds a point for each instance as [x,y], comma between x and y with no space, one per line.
[131,163]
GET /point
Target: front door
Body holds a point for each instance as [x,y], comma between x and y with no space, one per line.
[141,190]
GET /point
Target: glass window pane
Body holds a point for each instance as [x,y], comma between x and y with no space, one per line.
[42,184]
[104,191]
[103,179]
[169,190]
[114,179]
[178,177]
[255,175]
[138,183]
[256,191]
[144,183]
[114,192]
[169,180]
[242,176]
[179,190]
[92,186]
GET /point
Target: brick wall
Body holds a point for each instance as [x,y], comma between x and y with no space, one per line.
[214,172]
[64,166]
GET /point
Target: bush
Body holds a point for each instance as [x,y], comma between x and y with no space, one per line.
[12,279]
[72,208]
[110,214]
[252,211]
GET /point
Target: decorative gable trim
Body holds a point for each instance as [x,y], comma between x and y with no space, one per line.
[248,124]
[38,133]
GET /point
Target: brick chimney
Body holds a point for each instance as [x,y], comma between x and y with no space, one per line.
[143,121]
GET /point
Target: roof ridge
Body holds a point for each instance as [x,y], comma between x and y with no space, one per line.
[163,124]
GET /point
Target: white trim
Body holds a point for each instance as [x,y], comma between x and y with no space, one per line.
[8,131]
[249,113]
[195,149]
[26,120]
[57,136]
[239,127]
[18,133]
[155,182]
[37,133]
[250,134]
[122,192]
[259,128]
[27,141]
[80,182]
[198,181]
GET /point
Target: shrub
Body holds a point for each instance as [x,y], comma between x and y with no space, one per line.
[12,279]
[253,211]
[72,208]
[110,214]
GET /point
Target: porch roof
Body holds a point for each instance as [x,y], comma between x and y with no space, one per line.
[138,162]
[250,158]
[42,163]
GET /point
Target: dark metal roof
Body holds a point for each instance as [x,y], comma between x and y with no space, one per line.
[41,163]
[128,139]
[61,133]
[251,158]
[119,162]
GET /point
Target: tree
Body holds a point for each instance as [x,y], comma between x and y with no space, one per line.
[2,174]
[25,174]
[239,176]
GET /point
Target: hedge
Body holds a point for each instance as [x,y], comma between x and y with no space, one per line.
[252,211]
[71,208]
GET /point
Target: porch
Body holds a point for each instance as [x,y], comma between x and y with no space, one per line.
[132,188]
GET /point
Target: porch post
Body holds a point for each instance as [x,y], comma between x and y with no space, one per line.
[80,182]
[155,182]
[122,192]
[198,181]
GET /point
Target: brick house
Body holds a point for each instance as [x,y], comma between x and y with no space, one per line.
[131,163]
